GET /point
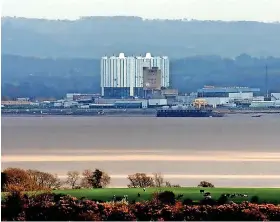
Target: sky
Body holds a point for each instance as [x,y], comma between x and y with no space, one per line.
[227,10]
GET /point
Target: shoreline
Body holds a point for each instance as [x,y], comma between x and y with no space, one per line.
[134,115]
[123,113]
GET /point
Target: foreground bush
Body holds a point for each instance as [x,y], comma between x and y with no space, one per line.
[58,207]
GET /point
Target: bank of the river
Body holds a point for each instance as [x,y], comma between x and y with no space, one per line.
[118,112]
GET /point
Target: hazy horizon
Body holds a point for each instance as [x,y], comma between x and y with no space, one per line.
[227,10]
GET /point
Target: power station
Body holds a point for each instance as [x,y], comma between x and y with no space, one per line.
[123,77]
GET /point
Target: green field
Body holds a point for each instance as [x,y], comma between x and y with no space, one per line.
[270,195]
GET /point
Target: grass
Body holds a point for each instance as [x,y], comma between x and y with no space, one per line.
[268,195]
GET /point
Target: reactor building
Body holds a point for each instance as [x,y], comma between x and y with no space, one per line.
[133,76]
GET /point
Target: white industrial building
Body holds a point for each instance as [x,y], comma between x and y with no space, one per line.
[265,104]
[122,76]
[275,96]
[228,96]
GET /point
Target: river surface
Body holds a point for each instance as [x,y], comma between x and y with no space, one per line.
[232,151]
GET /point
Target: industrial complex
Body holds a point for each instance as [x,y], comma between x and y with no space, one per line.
[143,82]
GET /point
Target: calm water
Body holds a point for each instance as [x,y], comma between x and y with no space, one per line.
[230,151]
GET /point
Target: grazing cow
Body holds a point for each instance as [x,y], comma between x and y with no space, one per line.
[201,191]
[245,195]
[144,189]
[232,195]
[207,194]
[138,195]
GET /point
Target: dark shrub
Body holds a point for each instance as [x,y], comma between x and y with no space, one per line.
[187,201]
[3,181]
[119,215]
[167,197]
[207,201]
[58,197]
[118,198]
[222,199]
[12,206]
[254,199]
[43,208]
[179,196]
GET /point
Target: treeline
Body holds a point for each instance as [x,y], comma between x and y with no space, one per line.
[47,77]
[96,36]
[16,179]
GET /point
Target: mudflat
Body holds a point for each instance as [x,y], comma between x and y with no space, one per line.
[230,151]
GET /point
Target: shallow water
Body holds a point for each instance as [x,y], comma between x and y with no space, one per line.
[185,150]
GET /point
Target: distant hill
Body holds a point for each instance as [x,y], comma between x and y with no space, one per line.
[93,37]
[46,77]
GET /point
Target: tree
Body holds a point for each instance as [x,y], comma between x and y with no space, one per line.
[44,180]
[36,176]
[18,179]
[95,179]
[72,178]
[140,180]
[85,179]
[105,180]
[168,184]
[29,180]
[158,180]
[205,184]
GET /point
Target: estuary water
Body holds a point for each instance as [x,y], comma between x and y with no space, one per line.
[231,151]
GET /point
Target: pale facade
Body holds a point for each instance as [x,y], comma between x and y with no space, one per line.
[123,76]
